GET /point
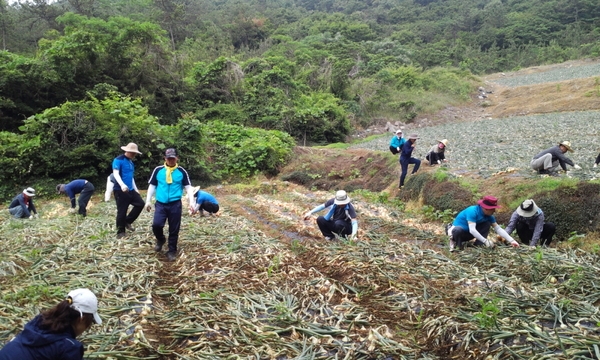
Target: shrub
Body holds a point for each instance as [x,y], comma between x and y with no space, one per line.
[447,195]
[413,186]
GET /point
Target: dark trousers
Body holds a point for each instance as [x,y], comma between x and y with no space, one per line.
[209,207]
[84,197]
[434,157]
[461,236]
[124,199]
[170,212]
[394,150]
[328,227]
[526,234]
[404,162]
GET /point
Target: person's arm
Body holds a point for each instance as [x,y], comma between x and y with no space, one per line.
[119,181]
[477,234]
[190,193]
[135,188]
[314,210]
[562,159]
[500,231]
[354,229]
[32,206]
[537,231]
[149,194]
[71,196]
[512,223]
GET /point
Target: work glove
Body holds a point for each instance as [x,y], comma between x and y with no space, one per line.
[307,215]
[30,217]
[148,206]
[515,244]
[595,165]
[72,211]
[352,237]
[489,243]
[124,188]
[577,167]
[36,215]
[439,162]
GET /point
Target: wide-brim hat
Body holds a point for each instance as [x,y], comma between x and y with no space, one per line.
[489,202]
[443,141]
[195,189]
[29,192]
[341,198]
[413,137]
[567,144]
[131,147]
[528,208]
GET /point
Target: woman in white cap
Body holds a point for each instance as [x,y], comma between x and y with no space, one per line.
[547,161]
[52,334]
[528,220]
[22,207]
[396,142]
[341,218]
[436,153]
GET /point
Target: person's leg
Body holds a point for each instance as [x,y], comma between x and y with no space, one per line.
[84,197]
[174,217]
[16,211]
[138,205]
[122,199]
[342,227]
[158,224]
[461,236]
[541,163]
[417,163]
[393,150]
[432,157]
[525,234]
[210,207]
[484,229]
[326,227]
[547,234]
[404,167]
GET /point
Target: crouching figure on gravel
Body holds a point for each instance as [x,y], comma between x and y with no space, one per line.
[528,220]
[474,222]
[341,218]
[548,161]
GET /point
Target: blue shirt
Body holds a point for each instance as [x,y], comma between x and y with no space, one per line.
[74,187]
[474,214]
[166,193]
[397,143]
[126,170]
[202,196]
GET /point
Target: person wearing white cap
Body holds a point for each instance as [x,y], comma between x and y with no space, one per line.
[530,224]
[22,207]
[547,161]
[52,334]
[341,218]
[126,192]
[437,153]
[396,142]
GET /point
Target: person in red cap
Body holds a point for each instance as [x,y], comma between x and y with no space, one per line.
[474,222]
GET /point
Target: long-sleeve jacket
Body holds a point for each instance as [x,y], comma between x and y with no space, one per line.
[557,155]
[597,159]
[407,150]
[27,206]
[535,223]
[73,188]
[397,142]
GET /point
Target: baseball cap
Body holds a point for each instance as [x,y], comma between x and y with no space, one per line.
[170,153]
[84,301]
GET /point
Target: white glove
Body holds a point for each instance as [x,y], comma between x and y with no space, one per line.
[72,211]
[148,206]
[36,215]
[124,188]
[595,165]
[30,217]
[577,167]
[489,243]
[439,162]
[307,215]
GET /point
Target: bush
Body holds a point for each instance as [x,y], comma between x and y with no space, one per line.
[413,186]
[447,195]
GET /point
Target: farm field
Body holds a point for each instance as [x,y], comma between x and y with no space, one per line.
[258,282]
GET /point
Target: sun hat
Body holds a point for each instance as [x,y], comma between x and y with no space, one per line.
[398,131]
[195,189]
[131,147]
[60,188]
[528,208]
[444,141]
[567,144]
[413,137]
[488,202]
[84,301]
[29,192]
[341,198]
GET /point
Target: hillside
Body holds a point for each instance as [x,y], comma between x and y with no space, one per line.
[259,282]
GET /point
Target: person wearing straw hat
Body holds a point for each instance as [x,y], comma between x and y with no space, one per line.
[126,191]
[84,188]
[52,334]
[407,159]
[22,207]
[205,202]
[396,142]
[341,218]
[436,153]
[547,161]
[475,222]
[530,224]
[168,181]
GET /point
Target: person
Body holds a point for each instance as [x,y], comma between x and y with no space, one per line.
[126,193]
[528,220]
[597,161]
[52,334]
[406,158]
[205,202]
[547,161]
[396,142]
[168,181]
[84,188]
[22,206]
[341,218]
[474,222]
[436,153]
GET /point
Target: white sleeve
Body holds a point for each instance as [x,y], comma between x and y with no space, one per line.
[500,231]
[118,178]
[150,193]
[474,232]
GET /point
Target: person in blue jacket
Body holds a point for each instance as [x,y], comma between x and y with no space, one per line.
[407,159]
[168,181]
[22,207]
[52,334]
[340,219]
[205,202]
[84,188]
[396,142]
